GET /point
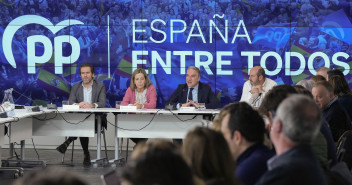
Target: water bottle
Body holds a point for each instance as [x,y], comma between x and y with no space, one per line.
[8,104]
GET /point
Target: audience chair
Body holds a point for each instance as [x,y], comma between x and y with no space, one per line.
[344,148]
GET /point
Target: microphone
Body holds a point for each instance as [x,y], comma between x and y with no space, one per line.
[35,108]
[3,114]
[257,99]
[169,106]
[51,105]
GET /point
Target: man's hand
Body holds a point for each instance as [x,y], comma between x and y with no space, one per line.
[187,104]
[194,103]
[257,89]
[138,105]
[260,87]
[86,105]
[190,103]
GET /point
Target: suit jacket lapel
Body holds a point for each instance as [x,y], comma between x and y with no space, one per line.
[94,91]
[80,97]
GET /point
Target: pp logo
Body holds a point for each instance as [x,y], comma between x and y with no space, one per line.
[32,59]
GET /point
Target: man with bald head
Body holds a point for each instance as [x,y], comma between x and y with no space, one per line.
[256,87]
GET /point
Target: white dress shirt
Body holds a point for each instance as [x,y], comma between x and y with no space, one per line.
[256,99]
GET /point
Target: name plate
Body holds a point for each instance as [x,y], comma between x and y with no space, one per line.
[187,108]
[70,107]
[128,108]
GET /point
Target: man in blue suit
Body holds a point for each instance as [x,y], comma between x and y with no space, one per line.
[194,92]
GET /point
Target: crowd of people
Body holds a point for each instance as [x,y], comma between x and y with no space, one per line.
[276,134]
[294,135]
[291,138]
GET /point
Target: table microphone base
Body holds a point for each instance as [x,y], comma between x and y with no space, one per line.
[51,106]
[35,109]
[170,107]
[3,115]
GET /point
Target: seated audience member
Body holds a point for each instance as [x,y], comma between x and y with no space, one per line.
[244,130]
[194,92]
[318,78]
[269,106]
[157,163]
[332,110]
[343,92]
[323,145]
[307,84]
[209,157]
[272,100]
[141,93]
[302,90]
[219,117]
[50,176]
[296,124]
[323,71]
[334,72]
[256,87]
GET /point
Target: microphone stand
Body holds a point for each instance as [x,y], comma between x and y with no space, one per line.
[257,99]
[172,106]
[3,114]
[51,105]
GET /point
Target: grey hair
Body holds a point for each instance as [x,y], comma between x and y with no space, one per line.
[323,69]
[194,68]
[308,84]
[301,118]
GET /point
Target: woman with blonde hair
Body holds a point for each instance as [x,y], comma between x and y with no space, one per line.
[141,92]
[208,154]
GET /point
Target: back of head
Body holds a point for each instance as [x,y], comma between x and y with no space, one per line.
[247,121]
[143,147]
[301,90]
[340,86]
[209,156]
[308,84]
[323,71]
[218,119]
[318,78]
[335,72]
[274,97]
[158,165]
[301,118]
[50,176]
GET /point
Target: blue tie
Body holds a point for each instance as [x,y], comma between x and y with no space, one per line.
[190,94]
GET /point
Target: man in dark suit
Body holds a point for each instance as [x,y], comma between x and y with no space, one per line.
[296,124]
[87,94]
[194,92]
[333,111]
[244,130]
